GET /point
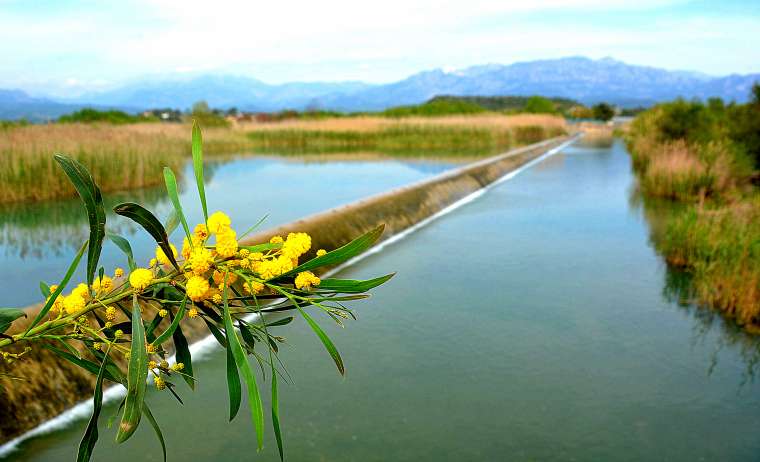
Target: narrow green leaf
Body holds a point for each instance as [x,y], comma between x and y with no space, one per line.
[351,286]
[281,322]
[147,220]
[7,316]
[198,166]
[44,289]
[171,188]
[156,428]
[255,225]
[182,355]
[276,412]
[91,433]
[254,398]
[125,247]
[69,273]
[233,385]
[173,326]
[325,341]
[341,254]
[137,376]
[171,223]
[93,203]
[262,247]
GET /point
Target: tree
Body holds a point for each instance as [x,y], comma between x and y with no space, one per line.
[603,111]
[539,105]
[200,107]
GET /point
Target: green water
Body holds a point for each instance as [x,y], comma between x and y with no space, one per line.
[535,323]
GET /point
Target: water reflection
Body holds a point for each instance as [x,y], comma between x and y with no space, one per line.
[710,326]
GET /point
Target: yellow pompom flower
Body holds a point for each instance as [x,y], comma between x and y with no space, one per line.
[192,313]
[219,278]
[218,222]
[200,260]
[201,232]
[197,288]
[73,303]
[118,272]
[306,280]
[296,245]
[161,255]
[163,313]
[160,383]
[150,348]
[82,291]
[217,298]
[226,243]
[244,253]
[321,252]
[102,285]
[253,287]
[110,313]
[178,367]
[276,240]
[140,278]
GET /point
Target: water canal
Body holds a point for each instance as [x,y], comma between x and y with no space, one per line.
[535,323]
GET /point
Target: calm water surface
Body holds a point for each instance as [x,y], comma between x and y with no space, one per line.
[37,241]
[535,323]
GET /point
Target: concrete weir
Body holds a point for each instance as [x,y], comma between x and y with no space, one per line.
[54,385]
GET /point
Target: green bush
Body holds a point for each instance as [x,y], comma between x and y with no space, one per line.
[539,105]
[89,115]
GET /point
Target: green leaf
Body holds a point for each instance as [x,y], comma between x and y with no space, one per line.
[93,203]
[276,414]
[171,189]
[125,247]
[198,166]
[325,341]
[91,433]
[156,428]
[171,223]
[262,247]
[254,398]
[70,272]
[147,220]
[182,355]
[7,316]
[233,385]
[137,376]
[351,286]
[281,322]
[173,326]
[44,289]
[341,254]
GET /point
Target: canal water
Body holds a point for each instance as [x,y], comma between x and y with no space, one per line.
[534,323]
[37,241]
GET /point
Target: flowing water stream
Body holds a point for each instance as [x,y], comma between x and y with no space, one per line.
[534,323]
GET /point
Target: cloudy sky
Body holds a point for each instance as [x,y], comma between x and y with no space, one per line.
[62,47]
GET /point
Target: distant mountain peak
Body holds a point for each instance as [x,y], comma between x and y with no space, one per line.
[574,77]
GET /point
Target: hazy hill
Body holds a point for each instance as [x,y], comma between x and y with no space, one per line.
[586,80]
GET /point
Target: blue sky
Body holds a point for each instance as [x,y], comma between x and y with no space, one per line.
[66,47]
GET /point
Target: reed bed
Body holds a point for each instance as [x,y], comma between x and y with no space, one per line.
[131,156]
[714,232]
[452,134]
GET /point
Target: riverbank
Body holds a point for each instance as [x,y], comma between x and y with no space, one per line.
[50,376]
[690,154]
[124,157]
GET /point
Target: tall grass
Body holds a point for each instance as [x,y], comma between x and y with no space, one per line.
[684,152]
[119,157]
[453,134]
[720,246]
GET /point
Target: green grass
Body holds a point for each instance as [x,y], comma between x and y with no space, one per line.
[399,139]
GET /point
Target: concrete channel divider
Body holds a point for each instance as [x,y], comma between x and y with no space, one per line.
[55,386]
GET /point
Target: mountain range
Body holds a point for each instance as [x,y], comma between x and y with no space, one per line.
[583,79]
